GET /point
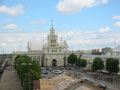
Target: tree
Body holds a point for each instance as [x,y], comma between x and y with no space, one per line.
[97,64]
[112,65]
[72,58]
[78,62]
[83,63]
[24,71]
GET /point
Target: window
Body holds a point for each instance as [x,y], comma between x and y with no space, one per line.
[48,50]
[59,50]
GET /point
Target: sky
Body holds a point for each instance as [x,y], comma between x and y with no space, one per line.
[84,24]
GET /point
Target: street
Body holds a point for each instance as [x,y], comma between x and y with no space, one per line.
[110,86]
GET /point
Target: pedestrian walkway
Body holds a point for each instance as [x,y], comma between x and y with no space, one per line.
[10,80]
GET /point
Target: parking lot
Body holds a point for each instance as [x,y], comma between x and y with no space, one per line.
[110,86]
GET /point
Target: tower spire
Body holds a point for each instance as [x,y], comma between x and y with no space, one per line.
[52,30]
[52,24]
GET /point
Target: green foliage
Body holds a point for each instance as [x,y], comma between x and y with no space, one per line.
[78,62]
[97,64]
[72,58]
[112,65]
[25,70]
[83,63]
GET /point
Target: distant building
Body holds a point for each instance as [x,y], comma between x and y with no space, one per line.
[96,52]
[106,50]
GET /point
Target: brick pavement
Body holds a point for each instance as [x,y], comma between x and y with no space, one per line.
[10,80]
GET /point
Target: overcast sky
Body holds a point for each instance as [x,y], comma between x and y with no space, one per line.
[84,24]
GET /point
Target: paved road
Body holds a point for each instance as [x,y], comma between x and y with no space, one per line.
[10,80]
[110,86]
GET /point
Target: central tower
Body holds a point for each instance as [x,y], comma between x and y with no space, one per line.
[52,38]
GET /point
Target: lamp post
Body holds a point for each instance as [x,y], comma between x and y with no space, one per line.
[46,62]
[28,72]
[64,61]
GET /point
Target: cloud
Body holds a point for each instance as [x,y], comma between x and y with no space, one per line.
[117,24]
[11,26]
[76,40]
[74,6]
[116,17]
[43,21]
[13,11]
[102,30]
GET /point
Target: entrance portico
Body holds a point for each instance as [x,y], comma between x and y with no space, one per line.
[54,62]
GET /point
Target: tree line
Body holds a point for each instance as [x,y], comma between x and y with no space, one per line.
[111,64]
[28,71]
[73,60]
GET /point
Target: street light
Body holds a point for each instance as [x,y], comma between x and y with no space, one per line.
[64,61]
[28,72]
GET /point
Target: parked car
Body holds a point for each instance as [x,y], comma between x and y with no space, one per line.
[62,68]
[88,80]
[84,78]
[77,74]
[79,77]
[44,72]
[69,68]
[43,68]
[50,69]
[43,75]
[101,85]
[93,81]
[58,72]
[75,67]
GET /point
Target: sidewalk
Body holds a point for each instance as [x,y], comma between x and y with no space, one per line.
[10,80]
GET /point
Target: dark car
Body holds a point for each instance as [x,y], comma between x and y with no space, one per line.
[79,77]
[101,85]
[77,74]
[50,69]
[75,67]
[88,80]
[44,72]
[93,81]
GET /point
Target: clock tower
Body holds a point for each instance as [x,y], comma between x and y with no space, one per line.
[52,38]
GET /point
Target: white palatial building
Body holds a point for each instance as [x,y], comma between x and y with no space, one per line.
[52,53]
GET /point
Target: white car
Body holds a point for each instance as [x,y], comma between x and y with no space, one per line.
[43,75]
[58,72]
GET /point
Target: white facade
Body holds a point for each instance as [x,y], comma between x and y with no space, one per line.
[52,53]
